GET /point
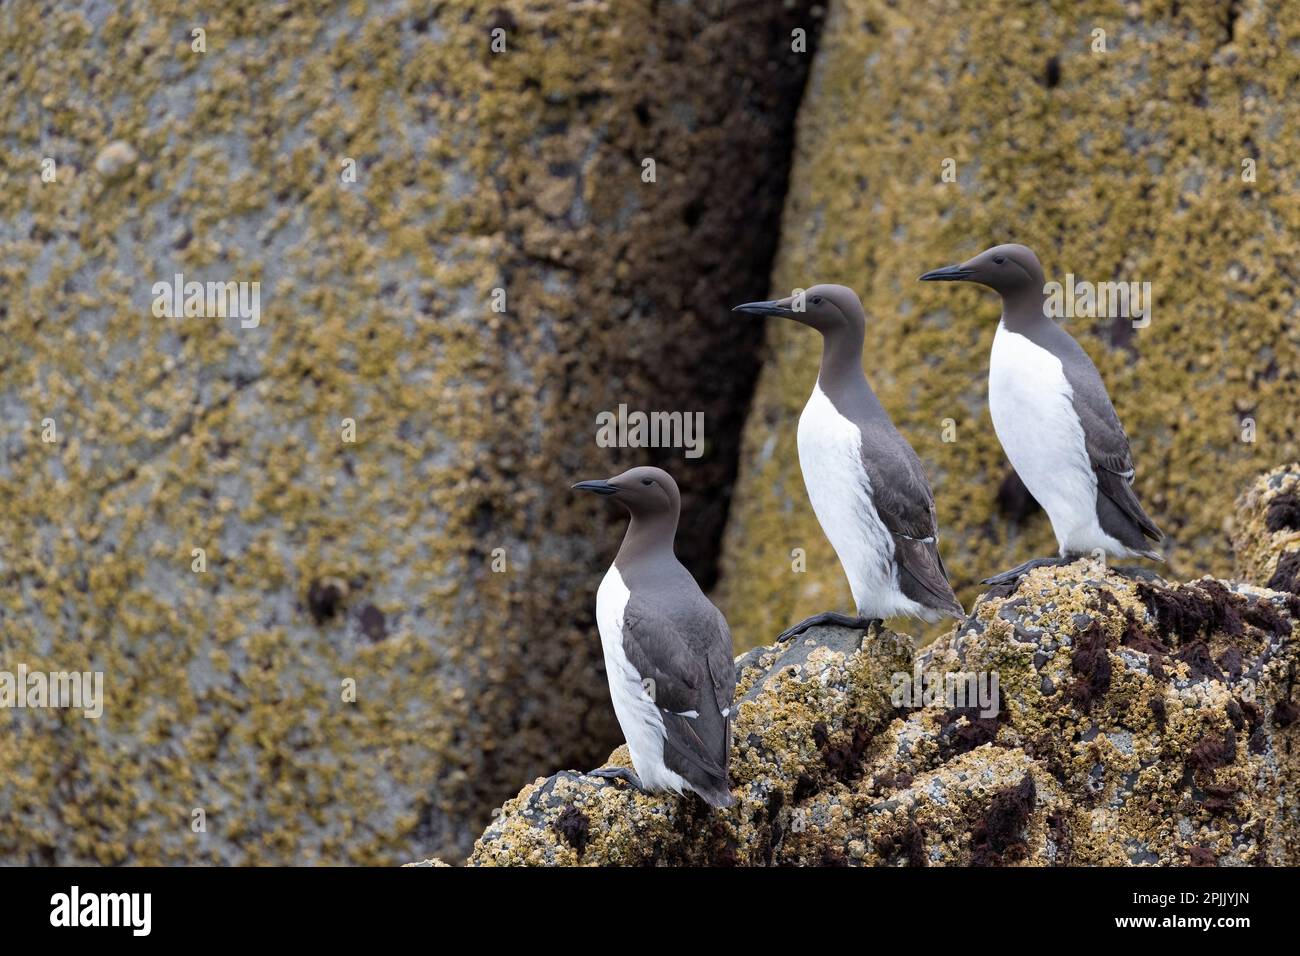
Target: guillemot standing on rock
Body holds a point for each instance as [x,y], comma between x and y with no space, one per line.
[1054,418]
[865,482]
[668,651]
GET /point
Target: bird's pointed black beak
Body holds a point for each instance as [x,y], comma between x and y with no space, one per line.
[779,307]
[947,274]
[599,487]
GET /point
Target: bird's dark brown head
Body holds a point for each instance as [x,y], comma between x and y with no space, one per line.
[829,309]
[1008,269]
[645,491]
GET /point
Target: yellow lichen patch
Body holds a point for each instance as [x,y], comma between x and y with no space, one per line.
[1125,165]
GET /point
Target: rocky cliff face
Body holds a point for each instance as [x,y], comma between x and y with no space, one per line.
[1159,150]
[1140,722]
[458,253]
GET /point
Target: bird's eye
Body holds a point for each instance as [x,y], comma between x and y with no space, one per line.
[817,300]
[999,259]
[647,481]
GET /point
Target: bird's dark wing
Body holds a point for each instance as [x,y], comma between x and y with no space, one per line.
[1106,441]
[903,500]
[722,666]
[685,649]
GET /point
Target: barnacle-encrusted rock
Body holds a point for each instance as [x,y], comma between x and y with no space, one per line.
[462,261]
[1123,142]
[1266,537]
[1139,722]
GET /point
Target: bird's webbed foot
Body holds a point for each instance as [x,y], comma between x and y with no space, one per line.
[619,773]
[1019,571]
[830,617]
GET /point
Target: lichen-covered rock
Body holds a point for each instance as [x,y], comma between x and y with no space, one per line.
[1138,722]
[1266,536]
[1170,157]
[460,264]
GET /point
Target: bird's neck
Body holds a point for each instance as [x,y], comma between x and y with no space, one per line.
[1023,309]
[841,359]
[648,538]
[841,378]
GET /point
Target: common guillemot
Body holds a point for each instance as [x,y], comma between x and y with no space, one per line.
[1054,419]
[668,652]
[865,482]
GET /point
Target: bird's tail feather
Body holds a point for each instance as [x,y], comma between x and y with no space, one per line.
[923,578]
[1119,490]
[719,797]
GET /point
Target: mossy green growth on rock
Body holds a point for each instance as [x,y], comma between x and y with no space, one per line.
[1171,157]
[1138,722]
[438,560]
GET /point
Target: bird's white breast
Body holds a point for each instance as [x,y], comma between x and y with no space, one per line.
[638,716]
[830,457]
[1031,403]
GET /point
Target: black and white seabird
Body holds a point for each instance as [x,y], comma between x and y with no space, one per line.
[668,651]
[865,482]
[1054,418]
